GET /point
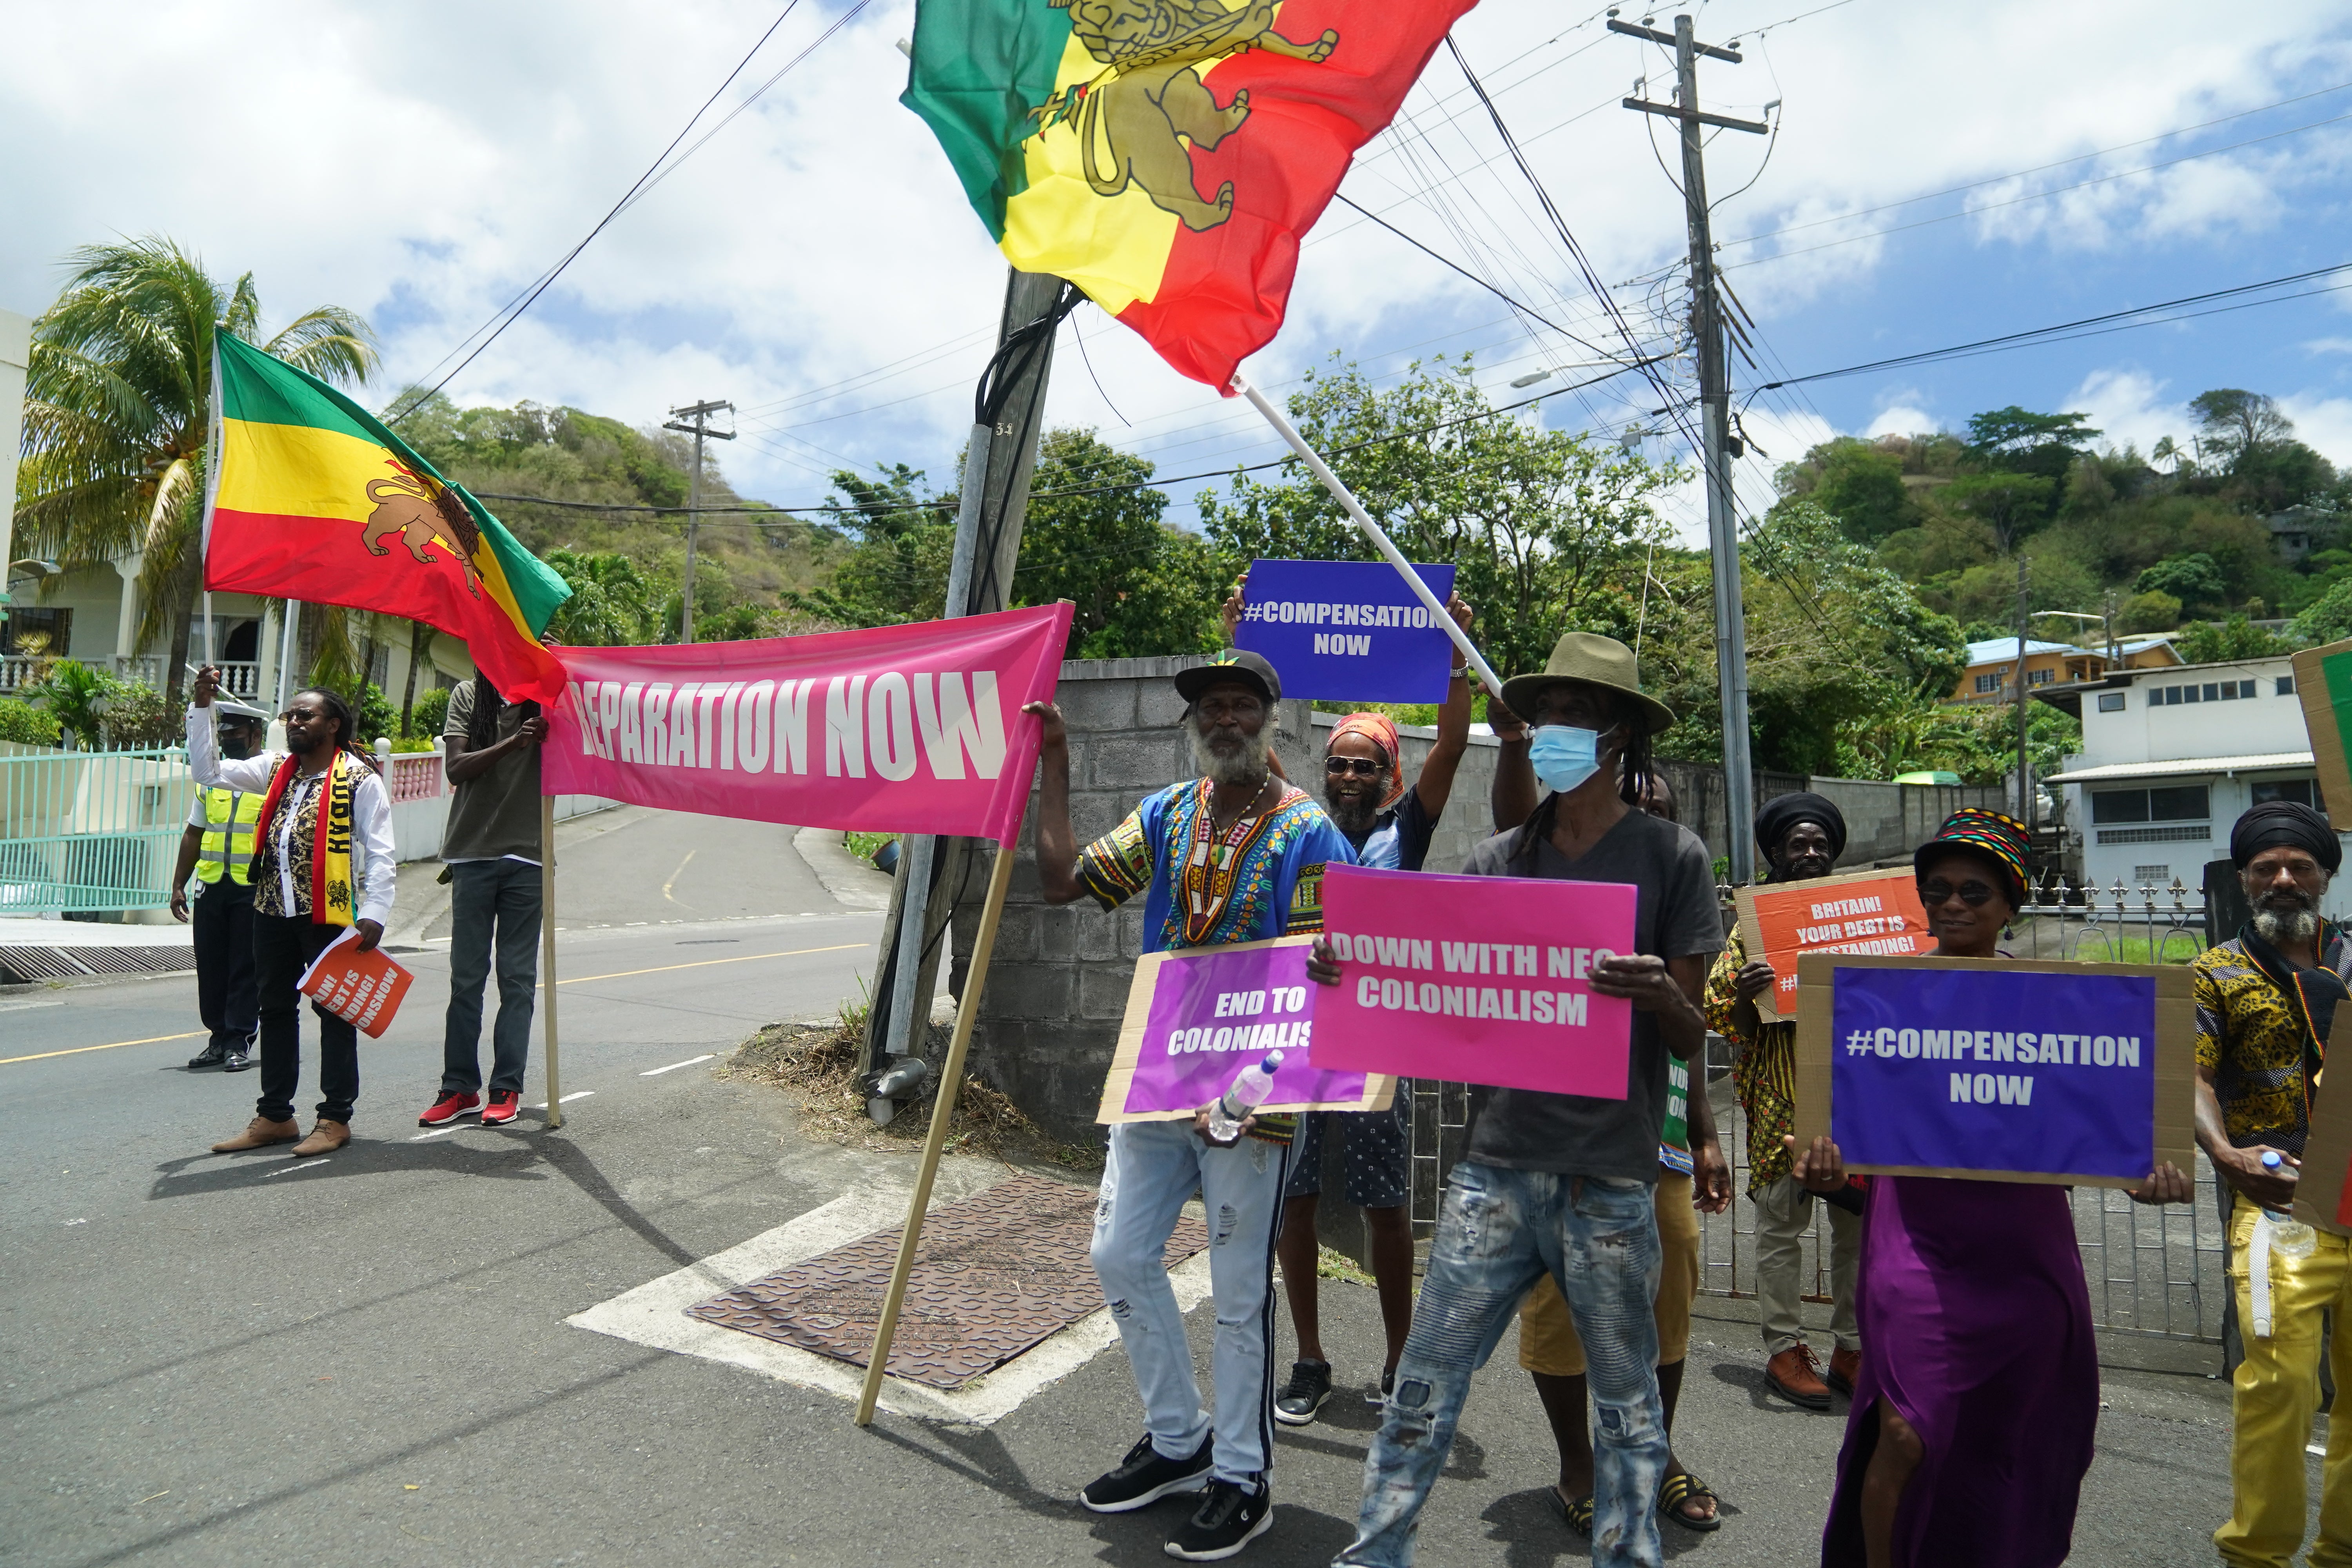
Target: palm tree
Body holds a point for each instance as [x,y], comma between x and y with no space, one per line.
[116,407]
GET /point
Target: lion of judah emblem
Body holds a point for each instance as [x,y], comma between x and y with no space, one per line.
[421,513]
[1155,101]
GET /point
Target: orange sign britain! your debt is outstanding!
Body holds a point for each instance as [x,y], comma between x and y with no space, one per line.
[1875,912]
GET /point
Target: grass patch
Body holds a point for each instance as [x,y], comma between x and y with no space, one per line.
[817,1066]
[864,844]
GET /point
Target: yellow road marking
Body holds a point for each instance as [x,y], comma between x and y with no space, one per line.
[575,980]
[674,876]
[703,964]
[151,1040]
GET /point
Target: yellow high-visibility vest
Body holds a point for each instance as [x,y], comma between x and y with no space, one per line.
[227,844]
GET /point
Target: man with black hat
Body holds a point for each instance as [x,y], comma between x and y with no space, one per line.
[2265,1002]
[1235,855]
[1801,836]
[1561,1183]
[217,850]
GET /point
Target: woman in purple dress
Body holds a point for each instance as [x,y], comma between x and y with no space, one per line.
[1972,1419]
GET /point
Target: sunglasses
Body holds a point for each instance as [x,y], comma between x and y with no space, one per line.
[1362,767]
[1976,895]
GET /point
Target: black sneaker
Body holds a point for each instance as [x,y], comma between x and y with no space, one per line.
[1379,1400]
[212,1056]
[1143,1477]
[1303,1396]
[1229,1518]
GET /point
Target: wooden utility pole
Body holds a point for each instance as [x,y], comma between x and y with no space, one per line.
[700,414]
[993,502]
[1718,448]
[2024,771]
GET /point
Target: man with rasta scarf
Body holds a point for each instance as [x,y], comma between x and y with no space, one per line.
[2265,1002]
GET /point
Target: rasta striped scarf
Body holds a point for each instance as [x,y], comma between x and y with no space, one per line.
[330,851]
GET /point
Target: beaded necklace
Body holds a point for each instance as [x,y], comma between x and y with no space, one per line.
[1213,863]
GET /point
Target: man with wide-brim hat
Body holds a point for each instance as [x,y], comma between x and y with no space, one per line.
[1561,1183]
[1234,855]
[216,854]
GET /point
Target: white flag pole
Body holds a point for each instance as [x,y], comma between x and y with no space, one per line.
[1380,541]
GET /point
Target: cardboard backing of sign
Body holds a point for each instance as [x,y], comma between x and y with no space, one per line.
[2175,1059]
[2320,1191]
[1379,1091]
[2320,718]
[1818,889]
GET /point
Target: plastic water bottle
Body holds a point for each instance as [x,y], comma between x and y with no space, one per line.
[1250,1089]
[2289,1237]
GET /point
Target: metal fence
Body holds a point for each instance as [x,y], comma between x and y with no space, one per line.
[2152,1271]
[86,832]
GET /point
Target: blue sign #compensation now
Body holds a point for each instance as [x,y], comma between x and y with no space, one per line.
[1994,1070]
[1349,631]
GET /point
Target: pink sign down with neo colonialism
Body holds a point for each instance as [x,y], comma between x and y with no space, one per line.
[1476,980]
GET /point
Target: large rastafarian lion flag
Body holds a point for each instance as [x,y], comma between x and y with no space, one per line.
[1165,155]
[313,499]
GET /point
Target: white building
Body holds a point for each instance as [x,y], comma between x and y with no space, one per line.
[2171,757]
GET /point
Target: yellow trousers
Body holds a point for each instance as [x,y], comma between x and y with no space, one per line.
[2274,1398]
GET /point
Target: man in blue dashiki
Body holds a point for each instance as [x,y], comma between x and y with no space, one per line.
[1236,855]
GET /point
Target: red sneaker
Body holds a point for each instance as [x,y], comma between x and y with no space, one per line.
[447,1109]
[502,1108]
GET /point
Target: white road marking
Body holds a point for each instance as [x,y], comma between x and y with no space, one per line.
[305,1165]
[575,1094]
[654,1314]
[656,1072]
[436,1132]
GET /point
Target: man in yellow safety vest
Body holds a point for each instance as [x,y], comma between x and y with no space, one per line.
[217,850]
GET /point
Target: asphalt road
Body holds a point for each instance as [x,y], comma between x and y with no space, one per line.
[363,1360]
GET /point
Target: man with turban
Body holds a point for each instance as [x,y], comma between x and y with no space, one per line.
[2265,1001]
[1802,836]
[1390,825]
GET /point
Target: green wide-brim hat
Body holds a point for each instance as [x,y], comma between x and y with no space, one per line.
[1597,661]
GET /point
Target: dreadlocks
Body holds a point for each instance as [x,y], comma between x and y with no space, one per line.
[482,723]
[1635,771]
[336,707]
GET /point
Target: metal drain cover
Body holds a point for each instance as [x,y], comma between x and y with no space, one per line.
[997,1272]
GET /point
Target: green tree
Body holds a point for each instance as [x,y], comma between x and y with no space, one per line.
[2000,436]
[76,696]
[2193,579]
[116,404]
[1861,486]
[613,604]
[903,539]
[2012,504]
[2148,613]
[1141,586]
[2208,643]
[1549,532]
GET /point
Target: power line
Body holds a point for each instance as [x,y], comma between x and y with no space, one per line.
[2018,339]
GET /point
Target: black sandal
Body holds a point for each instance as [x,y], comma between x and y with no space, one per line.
[1681,1489]
[1577,1515]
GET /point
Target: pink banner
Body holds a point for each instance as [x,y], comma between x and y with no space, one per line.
[913,729]
[1475,980]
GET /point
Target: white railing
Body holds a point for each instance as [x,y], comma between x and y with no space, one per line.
[411,775]
[240,679]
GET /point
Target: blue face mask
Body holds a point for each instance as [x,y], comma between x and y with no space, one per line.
[1564,756]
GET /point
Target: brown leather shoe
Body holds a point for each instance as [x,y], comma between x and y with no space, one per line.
[261,1133]
[1795,1375]
[326,1137]
[1845,1366]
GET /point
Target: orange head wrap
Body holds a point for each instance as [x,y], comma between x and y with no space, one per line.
[1382,731]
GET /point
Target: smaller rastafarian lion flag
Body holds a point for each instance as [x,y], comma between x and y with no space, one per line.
[313,499]
[1165,155]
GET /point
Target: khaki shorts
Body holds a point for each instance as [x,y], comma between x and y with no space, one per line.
[1547,1342]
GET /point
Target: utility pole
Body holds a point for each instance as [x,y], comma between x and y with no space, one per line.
[2024,772]
[993,503]
[1718,448]
[700,414]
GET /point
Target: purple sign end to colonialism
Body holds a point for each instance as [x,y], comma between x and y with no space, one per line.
[1988,1071]
[1215,1012]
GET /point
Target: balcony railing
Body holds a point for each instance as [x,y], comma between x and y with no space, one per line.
[241,679]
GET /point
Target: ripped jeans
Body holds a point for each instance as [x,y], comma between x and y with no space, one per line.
[1153,1170]
[1499,1232]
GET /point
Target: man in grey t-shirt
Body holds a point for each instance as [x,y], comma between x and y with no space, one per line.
[490,845]
[1561,1183]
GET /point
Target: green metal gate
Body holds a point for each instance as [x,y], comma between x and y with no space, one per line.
[89,832]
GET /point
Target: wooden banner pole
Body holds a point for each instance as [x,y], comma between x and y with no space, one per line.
[943,1106]
[547,953]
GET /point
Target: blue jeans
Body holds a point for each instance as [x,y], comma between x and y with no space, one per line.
[1153,1171]
[1500,1231]
[494,904]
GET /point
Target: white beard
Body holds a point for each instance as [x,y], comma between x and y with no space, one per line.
[2277,926]
[1245,766]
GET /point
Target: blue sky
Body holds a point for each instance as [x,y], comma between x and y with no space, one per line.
[813,262]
